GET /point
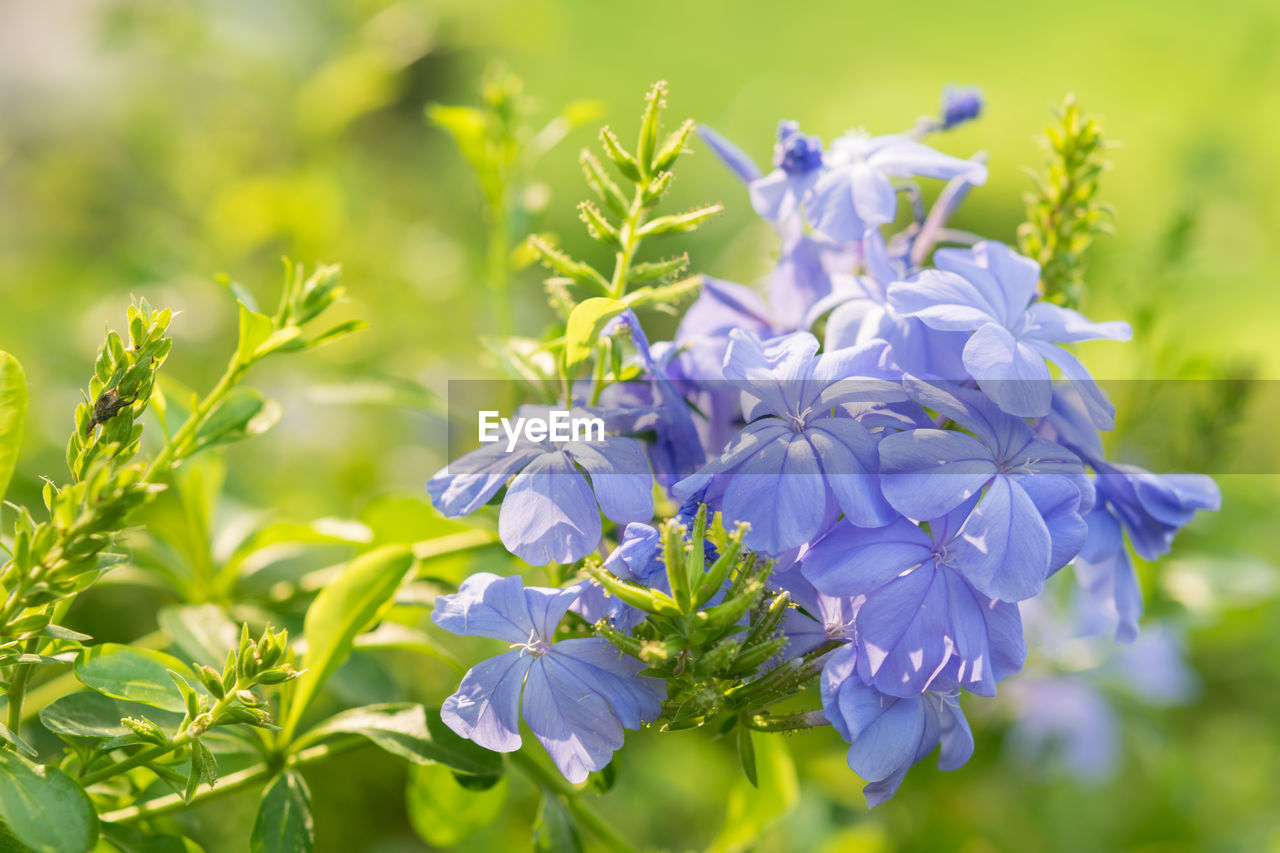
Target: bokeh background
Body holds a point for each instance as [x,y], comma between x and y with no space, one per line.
[146,146]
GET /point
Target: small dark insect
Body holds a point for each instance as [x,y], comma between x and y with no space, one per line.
[108,405]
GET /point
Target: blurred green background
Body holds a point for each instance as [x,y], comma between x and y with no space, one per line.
[146,146]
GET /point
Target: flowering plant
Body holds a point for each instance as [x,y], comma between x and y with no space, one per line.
[857,479]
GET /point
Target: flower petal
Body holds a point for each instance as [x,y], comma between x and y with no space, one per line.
[1004,546]
[849,201]
[466,484]
[1011,373]
[903,632]
[854,561]
[1055,324]
[946,301]
[549,514]
[781,492]
[620,477]
[924,473]
[569,718]
[486,707]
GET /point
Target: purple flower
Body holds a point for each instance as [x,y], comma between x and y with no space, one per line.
[960,104]
[853,194]
[1150,508]
[1027,522]
[918,614]
[797,161]
[551,510]
[575,695]
[887,735]
[656,406]
[818,619]
[731,155]
[867,314]
[988,290]
[799,462]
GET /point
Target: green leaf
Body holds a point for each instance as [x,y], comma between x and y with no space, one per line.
[93,715]
[468,126]
[44,808]
[255,329]
[326,337]
[409,731]
[204,770]
[583,331]
[444,812]
[553,831]
[242,414]
[747,754]
[135,675]
[239,291]
[126,839]
[284,823]
[752,809]
[342,610]
[10,736]
[13,414]
[393,635]
[202,632]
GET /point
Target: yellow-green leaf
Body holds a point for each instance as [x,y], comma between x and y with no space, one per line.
[342,610]
[13,414]
[585,325]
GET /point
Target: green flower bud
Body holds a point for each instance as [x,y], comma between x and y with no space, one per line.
[144,729]
[199,726]
[212,681]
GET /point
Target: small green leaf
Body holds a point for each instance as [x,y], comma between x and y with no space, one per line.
[255,329]
[583,331]
[44,808]
[284,823]
[10,736]
[204,770]
[553,831]
[126,839]
[468,126]
[13,413]
[342,610]
[446,813]
[239,291]
[408,730]
[327,337]
[747,753]
[135,675]
[243,413]
[89,714]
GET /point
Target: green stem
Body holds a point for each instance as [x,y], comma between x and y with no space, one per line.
[145,756]
[628,234]
[18,688]
[499,269]
[597,825]
[230,783]
[175,449]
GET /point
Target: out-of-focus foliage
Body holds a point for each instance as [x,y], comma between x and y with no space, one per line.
[147,146]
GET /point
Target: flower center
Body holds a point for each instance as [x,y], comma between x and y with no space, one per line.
[535,645]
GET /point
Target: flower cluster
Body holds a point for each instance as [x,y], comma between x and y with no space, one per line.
[884,432]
